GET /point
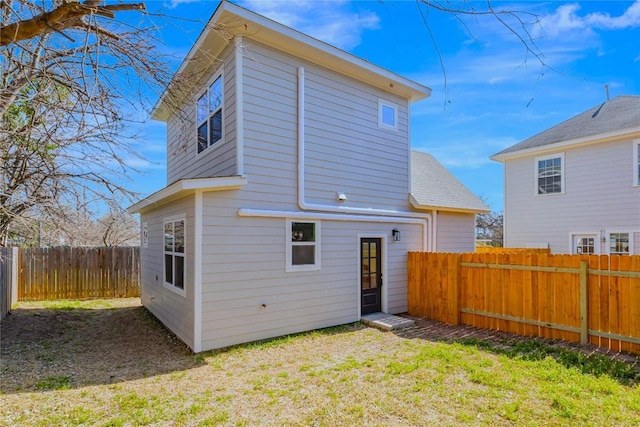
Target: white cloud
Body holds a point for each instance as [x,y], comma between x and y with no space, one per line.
[172,4]
[329,21]
[567,19]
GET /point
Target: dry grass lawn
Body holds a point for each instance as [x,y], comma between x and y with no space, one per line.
[110,363]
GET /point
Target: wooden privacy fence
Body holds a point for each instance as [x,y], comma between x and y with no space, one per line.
[580,298]
[78,273]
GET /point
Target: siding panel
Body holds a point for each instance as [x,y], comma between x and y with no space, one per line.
[598,198]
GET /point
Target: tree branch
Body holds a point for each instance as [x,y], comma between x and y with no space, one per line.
[66,15]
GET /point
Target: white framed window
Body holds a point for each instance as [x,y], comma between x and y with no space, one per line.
[620,243]
[550,174]
[303,245]
[387,115]
[636,162]
[585,243]
[209,115]
[174,254]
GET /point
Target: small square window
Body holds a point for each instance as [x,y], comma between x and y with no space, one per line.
[387,115]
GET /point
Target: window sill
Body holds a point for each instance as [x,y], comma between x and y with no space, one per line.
[175,290]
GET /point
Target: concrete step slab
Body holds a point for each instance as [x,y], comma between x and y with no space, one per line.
[386,322]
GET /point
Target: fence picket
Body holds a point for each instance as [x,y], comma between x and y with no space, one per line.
[78,273]
[531,293]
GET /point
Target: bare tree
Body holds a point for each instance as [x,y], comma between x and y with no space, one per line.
[72,78]
[489,227]
[519,23]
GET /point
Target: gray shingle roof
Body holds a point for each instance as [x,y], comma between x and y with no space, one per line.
[617,114]
[433,186]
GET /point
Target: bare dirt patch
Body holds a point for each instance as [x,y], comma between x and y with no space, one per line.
[118,341]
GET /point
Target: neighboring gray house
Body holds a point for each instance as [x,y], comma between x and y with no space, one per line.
[288,204]
[575,187]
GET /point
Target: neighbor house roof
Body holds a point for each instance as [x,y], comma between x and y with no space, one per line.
[434,187]
[617,117]
[230,20]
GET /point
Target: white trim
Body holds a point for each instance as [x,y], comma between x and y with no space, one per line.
[417,205]
[239,107]
[293,42]
[169,286]
[384,304]
[197,272]
[636,163]
[562,173]
[218,74]
[184,187]
[571,143]
[317,265]
[382,103]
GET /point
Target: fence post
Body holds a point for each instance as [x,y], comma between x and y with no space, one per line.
[584,303]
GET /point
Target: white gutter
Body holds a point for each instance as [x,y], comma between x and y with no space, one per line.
[388,215]
[267,213]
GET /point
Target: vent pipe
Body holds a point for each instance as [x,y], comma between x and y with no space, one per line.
[606,89]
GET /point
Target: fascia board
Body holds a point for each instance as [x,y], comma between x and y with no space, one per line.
[417,205]
[184,187]
[276,35]
[571,143]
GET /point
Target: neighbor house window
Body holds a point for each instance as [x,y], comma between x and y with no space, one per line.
[303,245]
[550,174]
[619,244]
[636,162]
[387,115]
[174,241]
[586,245]
[209,115]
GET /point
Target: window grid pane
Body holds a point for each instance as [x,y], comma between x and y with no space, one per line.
[550,176]
[619,243]
[209,116]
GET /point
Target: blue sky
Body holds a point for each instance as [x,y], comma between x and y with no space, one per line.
[491,94]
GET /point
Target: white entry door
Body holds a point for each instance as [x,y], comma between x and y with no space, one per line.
[587,244]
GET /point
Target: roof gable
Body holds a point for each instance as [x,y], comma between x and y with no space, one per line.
[230,20]
[434,187]
[619,116]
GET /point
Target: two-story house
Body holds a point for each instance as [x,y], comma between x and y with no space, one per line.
[288,204]
[575,187]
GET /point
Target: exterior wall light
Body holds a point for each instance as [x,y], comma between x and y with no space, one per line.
[396,234]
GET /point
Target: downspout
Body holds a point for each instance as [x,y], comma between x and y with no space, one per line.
[424,218]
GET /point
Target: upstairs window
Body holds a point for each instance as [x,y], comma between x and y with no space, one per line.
[174,274]
[209,115]
[550,174]
[387,115]
[303,250]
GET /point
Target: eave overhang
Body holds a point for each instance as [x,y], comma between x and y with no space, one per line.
[630,133]
[475,210]
[230,20]
[185,187]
